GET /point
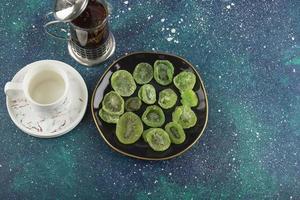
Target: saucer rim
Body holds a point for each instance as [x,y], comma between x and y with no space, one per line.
[68,128]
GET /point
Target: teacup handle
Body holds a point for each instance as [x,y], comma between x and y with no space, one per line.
[53,23]
[12,87]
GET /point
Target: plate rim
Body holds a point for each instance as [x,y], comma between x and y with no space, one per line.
[139,157]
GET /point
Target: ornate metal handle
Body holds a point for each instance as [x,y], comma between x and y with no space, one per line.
[53,23]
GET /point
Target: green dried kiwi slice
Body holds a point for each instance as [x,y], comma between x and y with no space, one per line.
[167,98]
[129,128]
[113,103]
[145,133]
[158,139]
[123,83]
[153,116]
[147,94]
[185,80]
[163,72]
[175,132]
[133,104]
[184,116]
[107,117]
[189,98]
[143,73]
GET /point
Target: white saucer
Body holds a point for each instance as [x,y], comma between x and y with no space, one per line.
[60,122]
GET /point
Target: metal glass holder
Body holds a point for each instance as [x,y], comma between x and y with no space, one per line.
[90,57]
[62,28]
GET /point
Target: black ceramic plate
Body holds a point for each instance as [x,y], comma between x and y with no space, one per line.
[140,149]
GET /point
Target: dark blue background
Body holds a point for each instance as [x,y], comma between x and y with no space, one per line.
[247,52]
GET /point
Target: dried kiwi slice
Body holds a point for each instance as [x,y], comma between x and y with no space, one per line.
[163,72]
[143,73]
[167,98]
[185,80]
[184,116]
[129,128]
[113,103]
[158,139]
[153,116]
[107,117]
[147,94]
[145,133]
[123,83]
[189,98]
[175,132]
[133,104]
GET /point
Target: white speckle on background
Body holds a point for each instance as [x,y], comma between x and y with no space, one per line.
[149,17]
[126,2]
[173,30]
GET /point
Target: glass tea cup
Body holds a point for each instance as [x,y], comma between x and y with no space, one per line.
[89,38]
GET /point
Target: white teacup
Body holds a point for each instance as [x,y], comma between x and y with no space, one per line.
[45,85]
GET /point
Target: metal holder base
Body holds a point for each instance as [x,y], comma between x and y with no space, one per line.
[90,57]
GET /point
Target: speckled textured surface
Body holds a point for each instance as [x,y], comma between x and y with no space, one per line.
[248,53]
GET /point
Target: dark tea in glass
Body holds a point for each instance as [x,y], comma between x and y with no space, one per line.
[90,28]
[90,41]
